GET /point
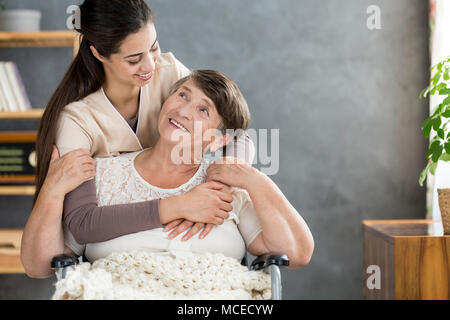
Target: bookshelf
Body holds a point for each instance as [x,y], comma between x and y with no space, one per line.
[19,115]
[39,39]
[10,239]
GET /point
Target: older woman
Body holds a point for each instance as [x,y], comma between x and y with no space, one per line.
[196,115]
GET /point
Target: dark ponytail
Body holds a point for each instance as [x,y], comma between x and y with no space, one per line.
[104,25]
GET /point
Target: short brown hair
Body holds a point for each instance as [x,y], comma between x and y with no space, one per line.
[228,99]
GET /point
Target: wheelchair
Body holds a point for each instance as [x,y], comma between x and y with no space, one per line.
[269,263]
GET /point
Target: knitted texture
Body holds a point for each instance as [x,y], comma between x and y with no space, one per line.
[149,275]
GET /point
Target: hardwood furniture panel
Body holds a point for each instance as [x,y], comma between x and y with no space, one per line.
[413,256]
[379,251]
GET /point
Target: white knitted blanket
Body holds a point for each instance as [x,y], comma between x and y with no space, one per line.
[146,275]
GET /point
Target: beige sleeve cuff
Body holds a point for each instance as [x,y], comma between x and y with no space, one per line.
[70,135]
[249,225]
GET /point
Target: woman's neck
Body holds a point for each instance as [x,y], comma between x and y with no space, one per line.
[124,98]
[158,164]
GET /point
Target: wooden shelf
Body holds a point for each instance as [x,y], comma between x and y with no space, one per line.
[58,38]
[10,240]
[29,114]
[17,190]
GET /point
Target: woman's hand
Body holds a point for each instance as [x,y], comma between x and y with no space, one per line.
[68,172]
[232,171]
[208,202]
[180,225]
[202,207]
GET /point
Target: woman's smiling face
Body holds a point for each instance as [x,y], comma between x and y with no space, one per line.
[189,114]
[135,61]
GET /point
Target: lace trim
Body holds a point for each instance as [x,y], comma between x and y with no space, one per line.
[118,182]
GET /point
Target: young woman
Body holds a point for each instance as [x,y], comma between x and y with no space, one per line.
[107,103]
[261,219]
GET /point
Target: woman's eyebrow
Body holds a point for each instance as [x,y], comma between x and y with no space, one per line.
[138,54]
[208,103]
[133,55]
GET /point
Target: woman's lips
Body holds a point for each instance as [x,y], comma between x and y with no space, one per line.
[173,123]
[144,77]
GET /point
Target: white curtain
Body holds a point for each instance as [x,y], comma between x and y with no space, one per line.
[440,49]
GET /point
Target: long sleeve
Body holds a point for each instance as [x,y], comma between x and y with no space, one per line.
[90,223]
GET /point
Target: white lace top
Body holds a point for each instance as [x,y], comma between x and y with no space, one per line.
[118,182]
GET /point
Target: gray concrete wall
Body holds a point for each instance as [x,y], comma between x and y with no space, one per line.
[344,99]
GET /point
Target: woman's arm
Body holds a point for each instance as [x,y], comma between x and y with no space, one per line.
[43,237]
[283,229]
[90,223]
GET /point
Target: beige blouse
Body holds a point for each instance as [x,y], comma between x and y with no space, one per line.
[93,122]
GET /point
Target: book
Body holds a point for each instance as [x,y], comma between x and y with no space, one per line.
[3,103]
[17,85]
[7,89]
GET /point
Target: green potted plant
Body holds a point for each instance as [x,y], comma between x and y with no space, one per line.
[19,20]
[436,126]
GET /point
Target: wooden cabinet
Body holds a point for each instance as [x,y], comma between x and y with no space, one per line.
[412,257]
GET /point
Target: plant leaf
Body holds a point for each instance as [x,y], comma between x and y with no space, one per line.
[437,153]
[445,91]
[436,78]
[436,123]
[426,122]
[441,133]
[425,92]
[445,156]
[446,101]
[433,91]
[433,146]
[427,130]
[423,174]
[433,167]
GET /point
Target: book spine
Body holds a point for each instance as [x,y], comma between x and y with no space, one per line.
[3,103]
[15,85]
[7,90]
[24,95]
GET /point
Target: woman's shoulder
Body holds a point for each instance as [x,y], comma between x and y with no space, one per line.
[84,106]
[167,59]
[168,63]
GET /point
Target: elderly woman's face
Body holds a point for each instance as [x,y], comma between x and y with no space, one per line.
[189,115]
